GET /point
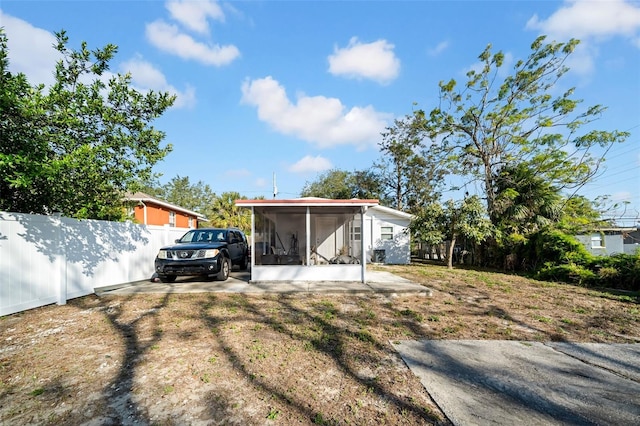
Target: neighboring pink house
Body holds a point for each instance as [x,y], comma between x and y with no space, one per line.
[149,210]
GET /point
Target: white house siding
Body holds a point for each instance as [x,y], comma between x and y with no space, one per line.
[396,250]
[47,259]
[609,244]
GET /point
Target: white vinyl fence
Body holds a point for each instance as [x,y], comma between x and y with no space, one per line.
[50,259]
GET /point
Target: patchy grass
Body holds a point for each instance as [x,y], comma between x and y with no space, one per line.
[276,359]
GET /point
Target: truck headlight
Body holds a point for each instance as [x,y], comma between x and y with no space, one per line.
[211,253]
[162,254]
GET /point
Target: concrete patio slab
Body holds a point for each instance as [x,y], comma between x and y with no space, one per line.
[528,383]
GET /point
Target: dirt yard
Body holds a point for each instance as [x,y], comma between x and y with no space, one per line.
[200,359]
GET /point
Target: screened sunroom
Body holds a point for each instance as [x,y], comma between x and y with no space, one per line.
[307,239]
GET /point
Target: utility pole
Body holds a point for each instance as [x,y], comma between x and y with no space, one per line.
[275,187]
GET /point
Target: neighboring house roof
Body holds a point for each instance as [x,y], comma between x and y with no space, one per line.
[146,198]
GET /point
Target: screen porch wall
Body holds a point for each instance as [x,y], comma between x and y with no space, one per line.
[302,243]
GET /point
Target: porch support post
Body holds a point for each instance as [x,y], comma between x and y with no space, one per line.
[308,235]
[363,260]
[253,238]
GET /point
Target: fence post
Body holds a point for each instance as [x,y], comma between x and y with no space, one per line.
[61,259]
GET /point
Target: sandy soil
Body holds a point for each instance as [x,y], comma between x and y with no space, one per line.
[202,359]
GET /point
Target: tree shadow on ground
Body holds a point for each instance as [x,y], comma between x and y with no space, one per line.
[329,339]
[121,406]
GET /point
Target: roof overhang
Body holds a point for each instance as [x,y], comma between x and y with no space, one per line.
[393,212]
[315,205]
[307,202]
[144,198]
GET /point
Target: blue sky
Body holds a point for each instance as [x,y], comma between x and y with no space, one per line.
[299,87]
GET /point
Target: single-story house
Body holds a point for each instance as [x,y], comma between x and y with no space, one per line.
[321,239]
[608,241]
[149,210]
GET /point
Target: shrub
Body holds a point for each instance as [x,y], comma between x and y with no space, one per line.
[621,271]
[607,273]
[559,248]
[569,273]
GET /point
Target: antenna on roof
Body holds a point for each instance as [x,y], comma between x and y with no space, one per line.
[275,187]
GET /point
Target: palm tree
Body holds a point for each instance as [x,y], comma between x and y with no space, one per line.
[226,214]
[525,201]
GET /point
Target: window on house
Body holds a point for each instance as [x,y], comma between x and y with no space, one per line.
[354,231]
[597,241]
[190,222]
[386,232]
[172,218]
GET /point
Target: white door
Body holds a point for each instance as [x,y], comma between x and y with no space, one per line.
[325,238]
[355,237]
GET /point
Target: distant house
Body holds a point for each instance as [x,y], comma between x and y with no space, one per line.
[149,210]
[317,239]
[608,241]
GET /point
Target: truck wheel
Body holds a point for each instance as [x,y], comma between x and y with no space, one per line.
[225,268]
[167,278]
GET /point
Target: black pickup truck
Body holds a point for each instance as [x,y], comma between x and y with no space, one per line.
[204,251]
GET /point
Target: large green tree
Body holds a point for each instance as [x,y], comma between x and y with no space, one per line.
[492,121]
[24,152]
[343,185]
[580,215]
[408,172]
[448,222]
[198,197]
[90,136]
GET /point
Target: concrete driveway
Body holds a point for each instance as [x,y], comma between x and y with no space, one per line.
[529,383]
[239,282]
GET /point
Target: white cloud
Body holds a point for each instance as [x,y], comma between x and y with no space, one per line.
[310,164]
[590,21]
[168,37]
[375,61]
[30,50]
[592,18]
[146,77]
[194,14]
[441,47]
[317,119]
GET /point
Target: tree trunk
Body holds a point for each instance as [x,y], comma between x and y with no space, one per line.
[450,256]
[490,191]
[398,189]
